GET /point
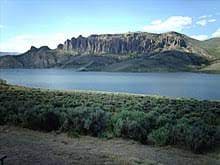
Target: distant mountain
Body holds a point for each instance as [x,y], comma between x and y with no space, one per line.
[138,52]
[8,53]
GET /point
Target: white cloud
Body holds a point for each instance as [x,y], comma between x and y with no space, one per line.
[22,43]
[200,37]
[205,16]
[205,19]
[216,33]
[173,23]
[212,20]
[204,22]
[201,22]
[156,22]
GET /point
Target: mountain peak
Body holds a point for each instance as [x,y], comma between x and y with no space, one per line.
[33,48]
[80,36]
[60,46]
[44,48]
[173,33]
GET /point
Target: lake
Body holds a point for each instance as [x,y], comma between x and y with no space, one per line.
[189,85]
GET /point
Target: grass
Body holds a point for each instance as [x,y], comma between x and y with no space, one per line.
[212,47]
[187,123]
[213,68]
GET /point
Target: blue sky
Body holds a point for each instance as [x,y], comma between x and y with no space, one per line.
[49,22]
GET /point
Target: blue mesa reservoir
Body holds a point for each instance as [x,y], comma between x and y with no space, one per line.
[182,84]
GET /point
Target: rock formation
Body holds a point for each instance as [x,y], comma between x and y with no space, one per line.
[139,52]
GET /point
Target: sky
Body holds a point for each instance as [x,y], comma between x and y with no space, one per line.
[24,23]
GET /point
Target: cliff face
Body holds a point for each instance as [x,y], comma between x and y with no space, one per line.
[124,43]
[139,43]
[117,52]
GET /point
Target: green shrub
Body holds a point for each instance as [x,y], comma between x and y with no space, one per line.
[3,81]
[186,122]
[161,136]
[165,119]
[3,115]
[217,133]
[132,124]
[45,120]
[73,134]
[209,118]
[107,135]
[194,134]
[86,121]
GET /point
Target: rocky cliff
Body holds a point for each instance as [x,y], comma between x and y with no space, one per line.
[117,52]
[138,43]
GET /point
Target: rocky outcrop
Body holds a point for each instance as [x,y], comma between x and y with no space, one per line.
[139,43]
[116,52]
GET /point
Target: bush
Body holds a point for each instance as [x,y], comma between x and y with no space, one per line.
[86,121]
[196,135]
[201,137]
[3,81]
[210,118]
[73,134]
[132,124]
[217,133]
[186,122]
[45,120]
[164,119]
[3,115]
[161,136]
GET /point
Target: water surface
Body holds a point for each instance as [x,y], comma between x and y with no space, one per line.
[190,85]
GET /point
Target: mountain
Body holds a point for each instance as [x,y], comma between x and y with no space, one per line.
[212,46]
[138,52]
[8,53]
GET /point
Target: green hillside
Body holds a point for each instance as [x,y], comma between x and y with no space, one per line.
[212,46]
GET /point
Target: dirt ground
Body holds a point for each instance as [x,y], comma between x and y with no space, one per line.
[25,147]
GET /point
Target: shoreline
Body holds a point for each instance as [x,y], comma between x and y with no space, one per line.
[112,93]
[105,71]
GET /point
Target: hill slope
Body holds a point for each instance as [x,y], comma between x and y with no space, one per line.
[138,52]
[212,46]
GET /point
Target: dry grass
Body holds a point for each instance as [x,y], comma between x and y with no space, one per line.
[23,146]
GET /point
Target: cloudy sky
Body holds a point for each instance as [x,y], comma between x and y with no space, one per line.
[49,22]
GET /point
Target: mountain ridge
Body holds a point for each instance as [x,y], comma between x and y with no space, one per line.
[137,51]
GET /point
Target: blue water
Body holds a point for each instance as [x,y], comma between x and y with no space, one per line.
[190,85]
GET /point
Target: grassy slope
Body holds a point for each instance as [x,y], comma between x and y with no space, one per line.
[191,123]
[212,68]
[212,46]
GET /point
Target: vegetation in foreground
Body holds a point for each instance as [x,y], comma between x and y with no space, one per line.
[151,120]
